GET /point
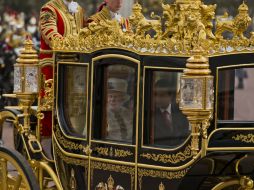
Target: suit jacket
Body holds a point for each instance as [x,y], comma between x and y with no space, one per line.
[174,135]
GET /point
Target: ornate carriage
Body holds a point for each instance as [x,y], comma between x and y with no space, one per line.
[209,78]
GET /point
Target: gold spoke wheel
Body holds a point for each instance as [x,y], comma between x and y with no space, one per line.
[15,171]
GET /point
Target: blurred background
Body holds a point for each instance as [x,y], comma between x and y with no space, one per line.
[17,18]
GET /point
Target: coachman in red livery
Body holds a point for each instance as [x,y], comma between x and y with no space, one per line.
[58,18]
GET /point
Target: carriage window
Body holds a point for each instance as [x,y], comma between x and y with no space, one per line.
[75,96]
[164,123]
[118,113]
[235,94]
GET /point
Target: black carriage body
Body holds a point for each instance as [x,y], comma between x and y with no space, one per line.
[87,158]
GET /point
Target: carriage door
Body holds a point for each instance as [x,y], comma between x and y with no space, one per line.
[70,124]
[165,148]
[114,122]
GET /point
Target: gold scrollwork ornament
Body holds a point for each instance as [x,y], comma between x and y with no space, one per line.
[73,183]
[170,158]
[188,25]
[162,186]
[248,138]
[110,185]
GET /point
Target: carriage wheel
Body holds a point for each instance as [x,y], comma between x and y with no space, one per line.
[12,116]
[231,184]
[15,171]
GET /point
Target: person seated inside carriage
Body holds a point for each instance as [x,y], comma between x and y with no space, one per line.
[119,118]
[171,127]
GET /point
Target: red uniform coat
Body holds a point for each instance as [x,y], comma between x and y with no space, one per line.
[55,22]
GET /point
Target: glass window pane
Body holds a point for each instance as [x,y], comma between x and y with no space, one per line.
[75,96]
[118,98]
[165,124]
[235,94]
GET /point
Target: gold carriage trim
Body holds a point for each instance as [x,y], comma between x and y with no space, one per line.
[170,158]
[159,174]
[188,24]
[162,186]
[113,168]
[68,144]
[69,160]
[117,153]
[249,138]
[110,185]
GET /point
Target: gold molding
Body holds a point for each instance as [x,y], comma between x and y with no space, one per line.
[248,138]
[170,158]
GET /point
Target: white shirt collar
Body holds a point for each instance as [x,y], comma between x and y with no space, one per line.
[168,109]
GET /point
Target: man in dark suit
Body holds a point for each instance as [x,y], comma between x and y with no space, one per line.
[171,127]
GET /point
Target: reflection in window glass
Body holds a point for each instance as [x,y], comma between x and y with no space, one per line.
[75,95]
[119,101]
[235,94]
[165,124]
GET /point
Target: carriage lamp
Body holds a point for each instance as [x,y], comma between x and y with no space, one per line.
[196,99]
[26,79]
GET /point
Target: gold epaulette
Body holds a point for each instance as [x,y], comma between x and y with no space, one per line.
[103,15]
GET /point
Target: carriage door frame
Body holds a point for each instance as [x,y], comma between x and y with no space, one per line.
[69,146]
[109,157]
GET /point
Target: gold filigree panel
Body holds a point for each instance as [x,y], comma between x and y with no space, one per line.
[170,158]
[110,185]
[69,160]
[117,153]
[160,174]
[113,168]
[46,102]
[248,138]
[187,24]
[67,143]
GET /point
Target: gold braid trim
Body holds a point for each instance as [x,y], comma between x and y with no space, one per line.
[103,15]
[48,24]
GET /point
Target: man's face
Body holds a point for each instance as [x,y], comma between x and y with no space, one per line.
[114,5]
[162,98]
[115,100]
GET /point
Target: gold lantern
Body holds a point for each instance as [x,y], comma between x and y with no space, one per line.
[26,84]
[196,98]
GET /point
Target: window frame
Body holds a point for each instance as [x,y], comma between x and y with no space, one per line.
[136,65]
[220,124]
[144,104]
[63,124]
